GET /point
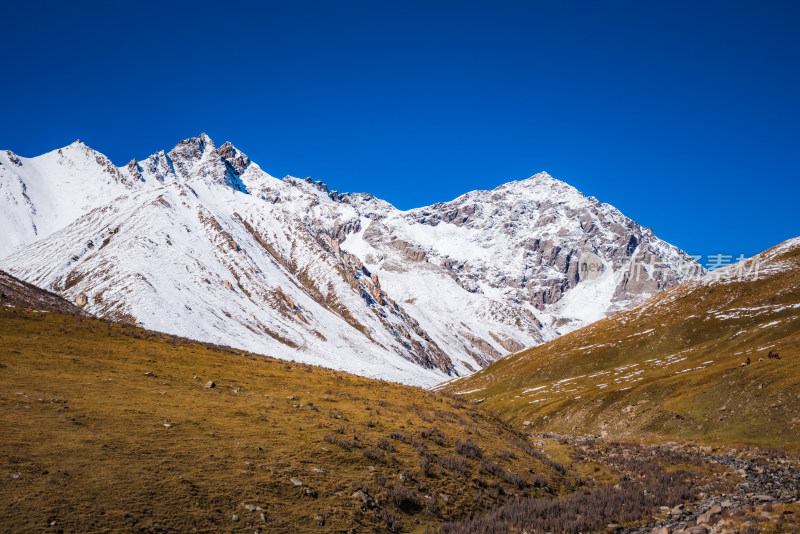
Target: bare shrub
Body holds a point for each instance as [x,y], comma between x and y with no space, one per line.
[468,448]
[385,444]
[454,463]
[505,455]
[389,518]
[433,434]
[638,495]
[509,477]
[399,436]
[374,454]
[542,457]
[342,442]
[428,466]
[404,498]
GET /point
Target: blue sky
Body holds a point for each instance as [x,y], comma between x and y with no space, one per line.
[684,115]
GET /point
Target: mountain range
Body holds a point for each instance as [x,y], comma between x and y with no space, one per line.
[202,243]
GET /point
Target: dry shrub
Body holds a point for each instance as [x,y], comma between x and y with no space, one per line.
[468,448]
[454,463]
[433,434]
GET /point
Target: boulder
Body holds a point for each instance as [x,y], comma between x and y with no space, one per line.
[707,517]
[210,384]
[81,300]
[678,510]
[368,501]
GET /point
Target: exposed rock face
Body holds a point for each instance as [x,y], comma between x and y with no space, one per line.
[525,244]
[342,280]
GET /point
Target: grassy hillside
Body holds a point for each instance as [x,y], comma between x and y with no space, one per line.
[109,427]
[670,368]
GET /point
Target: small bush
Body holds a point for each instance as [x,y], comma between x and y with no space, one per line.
[399,436]
[388,517]
[509,477]
[374,454]
[428,466]
[433,434]
[342,442]
[505,455]
[454,463]
[468,448]
[385,444]
[404,498]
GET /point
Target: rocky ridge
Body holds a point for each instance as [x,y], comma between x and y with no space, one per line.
[202,243]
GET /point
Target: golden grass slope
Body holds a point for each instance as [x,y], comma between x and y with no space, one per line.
[671,367]
[109,428]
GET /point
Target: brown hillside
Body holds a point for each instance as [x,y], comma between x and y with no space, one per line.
[672,367]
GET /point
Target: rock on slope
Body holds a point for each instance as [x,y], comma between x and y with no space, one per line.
[691,362]
[200,242]
[16,293]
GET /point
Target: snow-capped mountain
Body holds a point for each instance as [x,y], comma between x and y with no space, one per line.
[202,243]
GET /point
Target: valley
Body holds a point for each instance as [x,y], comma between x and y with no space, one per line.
[110,427]
[196,346]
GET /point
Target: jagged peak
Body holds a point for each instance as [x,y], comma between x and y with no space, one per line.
[544,178]
[158,155]
[543,175]
[543,186]
[227,149]
[193,147]
[79,151]
[237,159]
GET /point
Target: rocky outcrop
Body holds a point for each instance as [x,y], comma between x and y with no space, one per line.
[15,293]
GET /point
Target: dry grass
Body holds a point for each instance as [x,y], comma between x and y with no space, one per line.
[764,519]
[85,444]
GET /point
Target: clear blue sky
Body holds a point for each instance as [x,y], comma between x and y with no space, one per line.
[684,115]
